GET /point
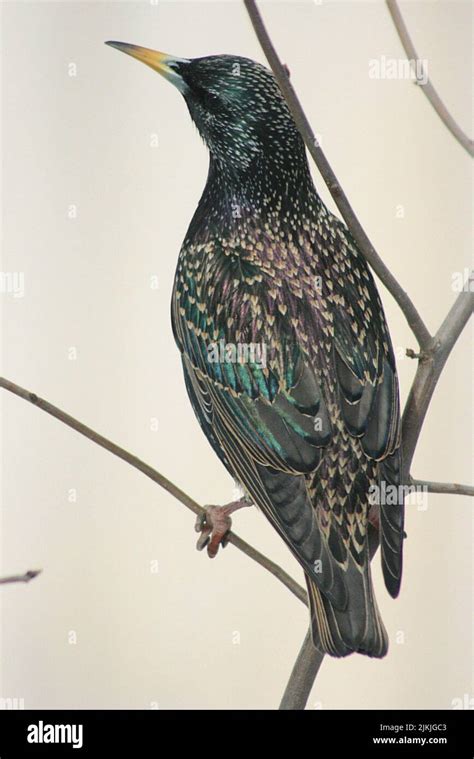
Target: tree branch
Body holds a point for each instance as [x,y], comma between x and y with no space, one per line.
[428,373]
[411,314]
[30,575]
[302,676]
[448,488]
[166,484]
[426,86]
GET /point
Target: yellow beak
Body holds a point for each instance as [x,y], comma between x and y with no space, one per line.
[163,63]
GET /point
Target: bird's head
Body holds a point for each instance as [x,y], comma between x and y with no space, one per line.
[235,103]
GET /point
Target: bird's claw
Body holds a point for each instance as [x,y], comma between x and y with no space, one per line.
[214,525]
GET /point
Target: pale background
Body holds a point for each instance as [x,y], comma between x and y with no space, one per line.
[202,634]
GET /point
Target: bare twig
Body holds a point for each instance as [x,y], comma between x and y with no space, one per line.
[30,575]
[411,314]
[424,83]
[166,484]
[303,675]
[428,374]
[447,488]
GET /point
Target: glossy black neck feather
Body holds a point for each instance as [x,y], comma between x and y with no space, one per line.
[276,183]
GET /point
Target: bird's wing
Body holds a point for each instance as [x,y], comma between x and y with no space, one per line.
[262,421]
[271,400]
[368,392]
[260,418]
[268,446]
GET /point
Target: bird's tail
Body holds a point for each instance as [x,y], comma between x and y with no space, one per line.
[357,628]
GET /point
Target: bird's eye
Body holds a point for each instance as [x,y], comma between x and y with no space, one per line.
[208,98]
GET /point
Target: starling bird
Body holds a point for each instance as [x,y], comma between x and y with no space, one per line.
[286,354]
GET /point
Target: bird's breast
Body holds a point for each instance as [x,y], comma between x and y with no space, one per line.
[249,299]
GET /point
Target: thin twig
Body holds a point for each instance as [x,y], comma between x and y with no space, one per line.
[428,374]
[166,484]
[447,488]
[424,83]
[408,308]
[30,575]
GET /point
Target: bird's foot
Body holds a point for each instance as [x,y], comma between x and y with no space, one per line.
[215,525]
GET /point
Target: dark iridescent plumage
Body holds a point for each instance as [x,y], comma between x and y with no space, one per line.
[311,429]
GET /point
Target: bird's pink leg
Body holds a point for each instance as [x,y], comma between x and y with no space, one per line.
[215,524]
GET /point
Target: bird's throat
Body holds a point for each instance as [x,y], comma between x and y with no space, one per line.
[266,191]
